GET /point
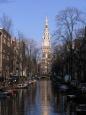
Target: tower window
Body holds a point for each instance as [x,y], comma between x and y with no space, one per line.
[43,55]
[49,56]
[46,26]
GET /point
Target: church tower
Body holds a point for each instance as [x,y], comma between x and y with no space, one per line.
[46,50]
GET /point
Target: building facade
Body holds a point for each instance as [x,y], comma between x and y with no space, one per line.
[46,51]
[12,56]
[19,58]
[5,53]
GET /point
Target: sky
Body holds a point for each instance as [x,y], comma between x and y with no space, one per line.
[28,16]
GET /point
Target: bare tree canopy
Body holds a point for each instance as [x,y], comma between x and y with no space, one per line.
[70,59]
[6,23]
[68,21]
[21,36]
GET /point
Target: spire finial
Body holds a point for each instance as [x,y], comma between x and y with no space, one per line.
[46,20]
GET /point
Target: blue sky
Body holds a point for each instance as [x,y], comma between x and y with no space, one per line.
[28,16]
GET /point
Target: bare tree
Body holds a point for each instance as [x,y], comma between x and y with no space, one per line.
[29,52]
[6,23]
[22,56]
[33,52]
[68,21]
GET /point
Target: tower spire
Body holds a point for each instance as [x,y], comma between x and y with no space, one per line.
[46,50]
[46,22]
[46,35]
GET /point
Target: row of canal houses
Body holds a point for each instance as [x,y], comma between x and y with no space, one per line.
[12,55]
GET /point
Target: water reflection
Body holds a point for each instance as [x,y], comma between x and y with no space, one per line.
[20,104]
[38,99]
[59,103]
[45,97]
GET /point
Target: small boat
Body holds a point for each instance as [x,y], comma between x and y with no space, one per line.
[4,94]
[22,85]
[32,81]
[12,92]
[81,109]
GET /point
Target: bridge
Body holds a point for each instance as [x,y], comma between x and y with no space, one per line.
[45,76]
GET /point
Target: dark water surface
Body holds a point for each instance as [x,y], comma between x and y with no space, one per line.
[38,99]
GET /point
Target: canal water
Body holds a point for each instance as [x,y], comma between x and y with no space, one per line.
[38,99]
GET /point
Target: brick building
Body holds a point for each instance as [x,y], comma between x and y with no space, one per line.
[5,53]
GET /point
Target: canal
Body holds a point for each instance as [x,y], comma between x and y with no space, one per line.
[38,99]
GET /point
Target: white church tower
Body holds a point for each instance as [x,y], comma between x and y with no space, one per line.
[46,50]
